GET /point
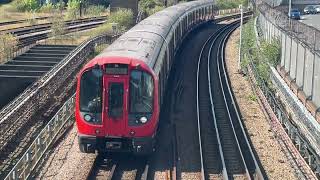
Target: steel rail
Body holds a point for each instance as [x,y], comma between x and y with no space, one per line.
[198,108]
[113,167]
[258,174]
[220,47]
[223,33]
[211,39]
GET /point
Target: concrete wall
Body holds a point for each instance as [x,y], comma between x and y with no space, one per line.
[285,2]
[301,63]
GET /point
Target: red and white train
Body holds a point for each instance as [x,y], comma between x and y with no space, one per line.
[119,92]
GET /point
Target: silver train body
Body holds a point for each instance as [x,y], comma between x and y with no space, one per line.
[156,39]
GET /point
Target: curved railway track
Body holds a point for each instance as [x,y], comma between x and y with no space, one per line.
[222,137]
[30,34]
[46,26]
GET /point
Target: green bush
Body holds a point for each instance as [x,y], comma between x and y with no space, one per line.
[73,8]
[47,8]
[150,7]
[8,44]
[123,17]
[230,4]
[272,51]
[149,4]
[154,10]
[26,5]
[60,5]
[58,25]
[95,10]
[104,29]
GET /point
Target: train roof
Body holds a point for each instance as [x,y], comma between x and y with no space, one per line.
[145,39]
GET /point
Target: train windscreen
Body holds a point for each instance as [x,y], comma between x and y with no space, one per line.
[141,92]
[91,91]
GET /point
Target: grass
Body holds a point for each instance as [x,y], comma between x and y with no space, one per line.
[252,97]
[8,12]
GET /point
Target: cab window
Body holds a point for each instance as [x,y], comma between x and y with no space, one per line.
[141,92]
[91,91]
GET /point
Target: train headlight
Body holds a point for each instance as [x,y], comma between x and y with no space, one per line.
[143,120]
[87,117]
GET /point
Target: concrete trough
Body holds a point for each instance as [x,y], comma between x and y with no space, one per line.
[45,59]
[28,67]
[17,74]
[43,55]
[49,51]
[55,47]
[21,73]
[10,90]
[37,63]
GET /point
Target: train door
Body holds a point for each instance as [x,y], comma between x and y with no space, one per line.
[116,96]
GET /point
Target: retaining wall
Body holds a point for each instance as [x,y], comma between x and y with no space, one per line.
[299,65]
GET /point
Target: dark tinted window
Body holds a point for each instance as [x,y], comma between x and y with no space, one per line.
[141,92]
[115,99]
[91,91]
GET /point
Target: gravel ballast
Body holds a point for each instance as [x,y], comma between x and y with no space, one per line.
[66,161]
[272,158]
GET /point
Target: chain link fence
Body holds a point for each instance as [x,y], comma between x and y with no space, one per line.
[309,35]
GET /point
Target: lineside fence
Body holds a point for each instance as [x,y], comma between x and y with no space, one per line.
[303,156]
[306,34]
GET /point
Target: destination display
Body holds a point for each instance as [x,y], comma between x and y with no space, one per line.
[120,69]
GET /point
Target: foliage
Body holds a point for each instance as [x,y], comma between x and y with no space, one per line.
[95,10]
[252,97]
[150,7]
[73,8]
[271,51]
[248,42]
[60,5]
[149,4]
[8,44]
[123,17]
[104,29]
[31,18]
[58,25]
[154,10]
[268,54]
[230,4]
[47,8]
[26,5]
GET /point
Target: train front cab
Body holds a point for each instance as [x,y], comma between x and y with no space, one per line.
[117,108]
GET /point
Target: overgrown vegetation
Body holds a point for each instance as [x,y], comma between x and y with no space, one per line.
[26,5]
[58,25]
[230,4]
[149,7]
[8,44]
[268,54]
[252,97]
[95,10]
[123,18]
[271,51]
[73,9]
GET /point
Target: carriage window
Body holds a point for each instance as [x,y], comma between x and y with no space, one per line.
[141,92]
[91,91]
[115,99]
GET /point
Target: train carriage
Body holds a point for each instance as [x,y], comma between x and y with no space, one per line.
[120,92]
